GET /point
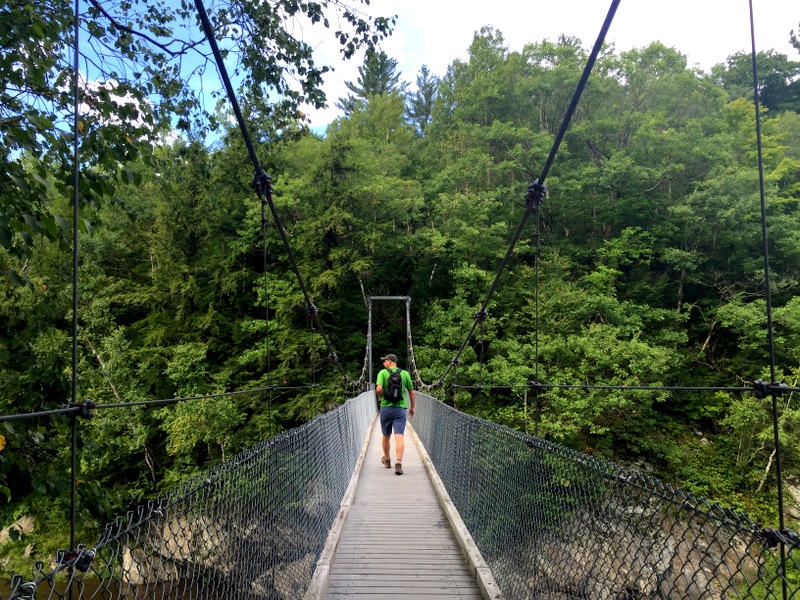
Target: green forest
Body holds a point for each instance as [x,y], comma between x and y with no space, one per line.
[648,269]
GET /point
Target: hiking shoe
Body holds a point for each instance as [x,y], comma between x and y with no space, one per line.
[386,462]
[398,468]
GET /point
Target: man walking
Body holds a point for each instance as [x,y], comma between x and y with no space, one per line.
[394,408]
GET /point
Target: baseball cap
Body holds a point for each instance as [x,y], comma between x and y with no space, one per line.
[391,357]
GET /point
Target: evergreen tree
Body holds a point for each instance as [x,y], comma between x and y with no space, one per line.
[420,103]
[376,77]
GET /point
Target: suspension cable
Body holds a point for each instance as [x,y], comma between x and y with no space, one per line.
[412,361]
[262,182]
[266,312]
[310,312]
[75,215]
[86,408]
[537,190]
[537,396]
[357,384]
[768,293]
[481,316]
[646,388]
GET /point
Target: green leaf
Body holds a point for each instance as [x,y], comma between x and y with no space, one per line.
[19,182]
[31,221]
[49,223]
[41,179]
[62,223]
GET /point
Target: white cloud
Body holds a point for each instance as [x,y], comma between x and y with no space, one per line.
[436,32]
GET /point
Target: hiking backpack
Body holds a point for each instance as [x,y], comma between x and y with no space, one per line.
[394,387]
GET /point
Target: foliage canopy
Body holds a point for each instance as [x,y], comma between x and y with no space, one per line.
[646,269]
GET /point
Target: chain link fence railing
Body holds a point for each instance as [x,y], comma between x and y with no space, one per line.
[253,527]
[554,524]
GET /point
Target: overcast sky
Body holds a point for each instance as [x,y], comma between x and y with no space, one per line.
[436,32]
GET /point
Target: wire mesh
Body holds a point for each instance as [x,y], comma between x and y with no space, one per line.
[252,527]
[552,523]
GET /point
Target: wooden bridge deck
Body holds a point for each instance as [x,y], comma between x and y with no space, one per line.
[396,541]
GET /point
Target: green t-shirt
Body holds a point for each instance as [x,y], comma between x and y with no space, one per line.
[383,380]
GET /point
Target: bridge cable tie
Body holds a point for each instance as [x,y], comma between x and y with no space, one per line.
[761,389]
[262,184]
[536,193]
[772,537]
[79,559]
[86,407]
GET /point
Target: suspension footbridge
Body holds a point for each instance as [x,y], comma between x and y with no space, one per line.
[400,537]
[482,510]
[311,513]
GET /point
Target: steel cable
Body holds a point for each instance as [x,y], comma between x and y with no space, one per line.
[262,182]
[767,289]
[536,190]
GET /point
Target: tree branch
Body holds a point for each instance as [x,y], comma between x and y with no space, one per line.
[766,471]
[118,25]
[643,192]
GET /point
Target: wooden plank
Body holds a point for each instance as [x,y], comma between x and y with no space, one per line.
[360,574]
[394,595]
[396,541]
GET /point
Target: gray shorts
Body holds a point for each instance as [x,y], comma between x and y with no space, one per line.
[393,416]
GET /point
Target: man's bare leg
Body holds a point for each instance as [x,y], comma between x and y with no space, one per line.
[400,446]
[385,445]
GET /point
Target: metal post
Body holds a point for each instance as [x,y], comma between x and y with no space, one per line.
[369,338]
[408,332]
[75,214]
[407,300]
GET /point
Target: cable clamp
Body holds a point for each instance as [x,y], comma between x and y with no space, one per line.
[81,559]
[86,408]
[480,315]
[455,362]
[537,385]
[772,537]
[332,357]
[761,389]
[779,387]
[536,193]
[262,184]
